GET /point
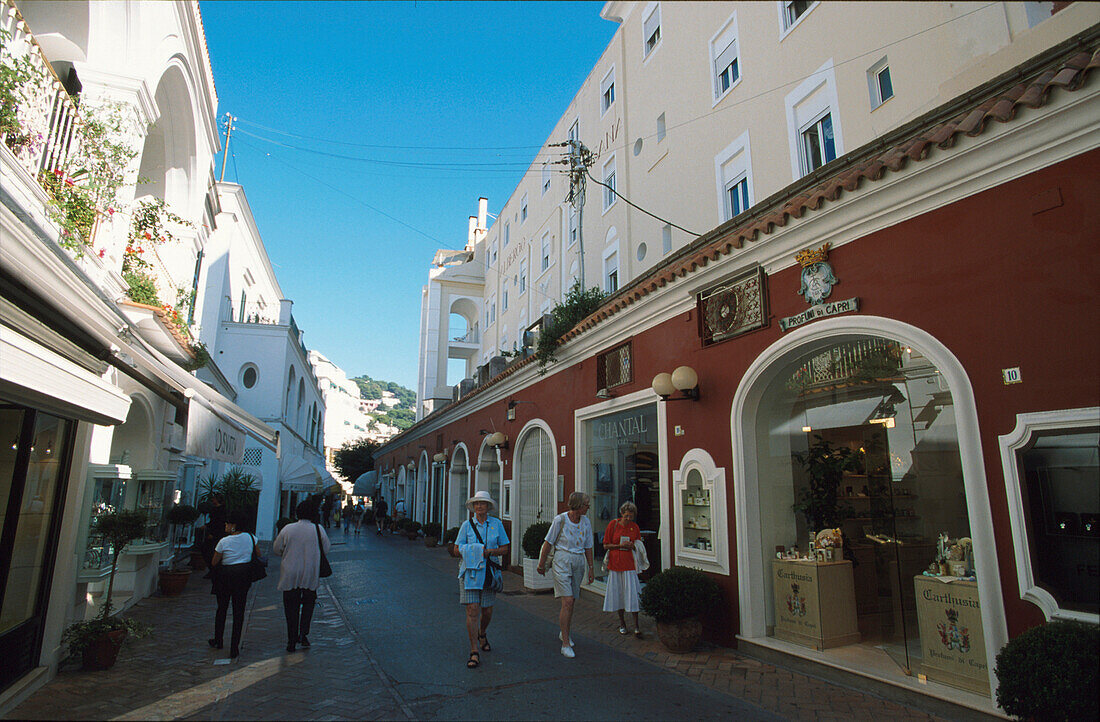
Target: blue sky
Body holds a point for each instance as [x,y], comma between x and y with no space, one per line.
[412,111]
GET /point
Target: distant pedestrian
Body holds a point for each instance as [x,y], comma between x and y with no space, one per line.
[623,588]
[398,514]
[326,509]
[357,516]
[346,516]
[570,536]
[380,508]
[479,540]
[300,544]
[231,579]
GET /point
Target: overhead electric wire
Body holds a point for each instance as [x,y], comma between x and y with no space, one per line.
[509,166]
[381,146]
[635,205]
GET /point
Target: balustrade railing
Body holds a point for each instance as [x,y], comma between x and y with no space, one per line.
[48,135]
[469,337]
[861,360]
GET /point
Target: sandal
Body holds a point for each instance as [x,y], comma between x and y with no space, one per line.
[485,645]
[473,661]
[638,633]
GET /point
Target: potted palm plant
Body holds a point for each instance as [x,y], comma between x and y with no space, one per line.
[677,598]
[98,640]
[173,578]
[532,543]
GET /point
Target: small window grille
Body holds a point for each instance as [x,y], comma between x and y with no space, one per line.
[614,368]
[253,457]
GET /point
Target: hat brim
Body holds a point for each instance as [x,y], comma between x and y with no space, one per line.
[474,499]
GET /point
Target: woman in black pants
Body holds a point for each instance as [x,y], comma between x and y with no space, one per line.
[231,579]
[300,545]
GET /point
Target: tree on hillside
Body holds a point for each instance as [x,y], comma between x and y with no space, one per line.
[374,388]
[401,418]
[355,458]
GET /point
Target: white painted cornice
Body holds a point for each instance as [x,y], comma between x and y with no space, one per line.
[131,90]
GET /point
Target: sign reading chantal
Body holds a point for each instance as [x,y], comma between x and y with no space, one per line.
[622,428]
[817,285]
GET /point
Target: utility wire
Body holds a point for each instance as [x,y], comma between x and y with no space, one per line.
[509,166]
[393,147]
[626,200]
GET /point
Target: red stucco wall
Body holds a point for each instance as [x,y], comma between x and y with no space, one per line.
[1008,277]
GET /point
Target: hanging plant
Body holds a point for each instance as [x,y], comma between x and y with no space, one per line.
[141,288]
[577,305]
[149,225]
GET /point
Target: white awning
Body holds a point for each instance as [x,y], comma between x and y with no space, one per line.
[36,376]
[367,484]
[298,475]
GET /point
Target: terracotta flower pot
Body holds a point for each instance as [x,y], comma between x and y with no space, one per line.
[197,562]
[680,636]
[430,541]
[172,583]
[103,651]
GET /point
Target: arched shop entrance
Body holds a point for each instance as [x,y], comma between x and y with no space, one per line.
[868,426]
[458,486]
[536,475]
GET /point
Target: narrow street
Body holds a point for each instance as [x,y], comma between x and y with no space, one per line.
[389,643]
[403,605]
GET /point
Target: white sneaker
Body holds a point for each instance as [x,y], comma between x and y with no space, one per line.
[568,652]
[563,641]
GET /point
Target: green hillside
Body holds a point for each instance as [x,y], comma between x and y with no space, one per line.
[403,415]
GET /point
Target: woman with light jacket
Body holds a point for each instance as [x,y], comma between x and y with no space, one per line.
[300,544]
[479,539]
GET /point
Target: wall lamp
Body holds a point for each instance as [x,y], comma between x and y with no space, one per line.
[497,440]
[440,458]
[605,394]
[683,379]
[512,404]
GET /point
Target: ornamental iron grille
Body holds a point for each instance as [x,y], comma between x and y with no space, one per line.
[614,367]
[733,307]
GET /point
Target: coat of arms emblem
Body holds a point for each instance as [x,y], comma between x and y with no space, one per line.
[796,604]
[817,275]
[952,635]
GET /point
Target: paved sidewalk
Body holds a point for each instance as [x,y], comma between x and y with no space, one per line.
[775,689]
[174,674]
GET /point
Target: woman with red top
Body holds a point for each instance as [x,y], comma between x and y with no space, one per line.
[623,588]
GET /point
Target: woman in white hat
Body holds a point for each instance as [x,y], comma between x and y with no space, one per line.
[479,539]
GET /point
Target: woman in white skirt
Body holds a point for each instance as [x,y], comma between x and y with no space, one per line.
[623,588]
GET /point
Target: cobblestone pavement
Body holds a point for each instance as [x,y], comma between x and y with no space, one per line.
[174,674]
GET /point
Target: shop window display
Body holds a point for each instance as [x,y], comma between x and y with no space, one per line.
[864,515]
[699,513]
[621,465]
[148,493]
[108,484]
[1061,484]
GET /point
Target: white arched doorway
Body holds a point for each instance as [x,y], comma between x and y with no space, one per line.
[536,481]
[488,476]
[894,407]
[423,474]
[458,487]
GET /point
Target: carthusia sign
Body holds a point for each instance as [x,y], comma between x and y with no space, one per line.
[211,437]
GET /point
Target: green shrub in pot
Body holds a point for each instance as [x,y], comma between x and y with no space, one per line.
[1050,672]
[532,538]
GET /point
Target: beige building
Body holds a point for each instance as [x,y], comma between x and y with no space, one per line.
[697,112]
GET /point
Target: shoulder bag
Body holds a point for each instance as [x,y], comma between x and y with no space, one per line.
[494,580]
[257,565]
[326,570]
